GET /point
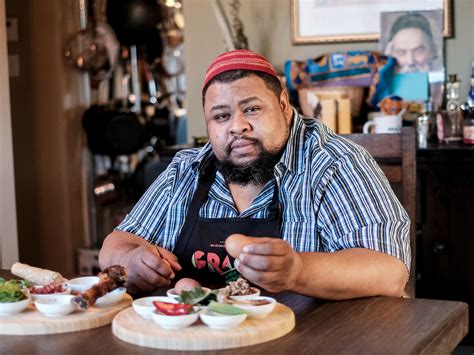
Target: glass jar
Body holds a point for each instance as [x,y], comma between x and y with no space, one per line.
[469,131]
[450,126]
[452,92]
[422,131]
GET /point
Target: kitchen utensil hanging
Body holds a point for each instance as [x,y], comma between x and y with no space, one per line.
[94,49]
[172,24]
[171,62]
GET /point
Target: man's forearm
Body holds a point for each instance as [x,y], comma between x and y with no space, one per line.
[117,246]
[350,273]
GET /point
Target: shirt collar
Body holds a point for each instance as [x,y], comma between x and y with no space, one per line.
[205,153]
[293,155]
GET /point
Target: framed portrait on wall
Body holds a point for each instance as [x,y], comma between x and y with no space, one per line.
[414,39]
[332,21]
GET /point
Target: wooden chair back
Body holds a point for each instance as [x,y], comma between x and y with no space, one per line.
[396,156]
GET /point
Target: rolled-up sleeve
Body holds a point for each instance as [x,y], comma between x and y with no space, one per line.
[149,214]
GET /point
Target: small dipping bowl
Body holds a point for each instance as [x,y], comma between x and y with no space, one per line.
[258,311]
[172,293]
[112,297]
[81,284]
[255,293]
[221,321]
[174,322]
[55,305]
[144,306]
[35,296]
[9,308]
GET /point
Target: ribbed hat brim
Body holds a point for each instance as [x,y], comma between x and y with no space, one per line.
[242,59]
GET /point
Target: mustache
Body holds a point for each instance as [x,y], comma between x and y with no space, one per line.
[241,137]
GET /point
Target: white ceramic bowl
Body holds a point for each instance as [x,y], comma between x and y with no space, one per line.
[81,284]
[258,311]
[9,308]
[255,293]
[221,321]
[55,305]
[172,293]
[144,306]
[112,297]
[174,322]
[35,296]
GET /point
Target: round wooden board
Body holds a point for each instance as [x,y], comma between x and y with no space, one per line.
[32,322]
[132,328]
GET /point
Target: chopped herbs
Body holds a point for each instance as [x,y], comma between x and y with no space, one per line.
[197,296]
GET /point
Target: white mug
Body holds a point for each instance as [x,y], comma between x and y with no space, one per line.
[384,124]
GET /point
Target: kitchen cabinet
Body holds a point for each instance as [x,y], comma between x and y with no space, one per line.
[445,217]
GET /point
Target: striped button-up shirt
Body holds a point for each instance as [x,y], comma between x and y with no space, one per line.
[332,196]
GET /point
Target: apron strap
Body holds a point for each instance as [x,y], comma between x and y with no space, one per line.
[274,210]
[206,177]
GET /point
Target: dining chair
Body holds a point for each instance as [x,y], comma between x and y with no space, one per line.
[396,156]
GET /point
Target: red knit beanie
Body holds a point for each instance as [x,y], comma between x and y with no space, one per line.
[239,59]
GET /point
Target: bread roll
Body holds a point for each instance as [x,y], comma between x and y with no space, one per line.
[36,275]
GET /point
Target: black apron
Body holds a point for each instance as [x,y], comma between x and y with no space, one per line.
[200,247]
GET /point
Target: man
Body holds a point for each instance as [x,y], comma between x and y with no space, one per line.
[328,222]
[411,43]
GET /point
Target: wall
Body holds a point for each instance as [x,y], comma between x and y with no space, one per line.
[47,135]
[8,231]
[267,25]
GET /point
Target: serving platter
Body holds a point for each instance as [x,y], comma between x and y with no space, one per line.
[131,328]
[31,322]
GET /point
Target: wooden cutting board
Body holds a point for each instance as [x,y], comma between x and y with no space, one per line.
[132,328]
[30,321]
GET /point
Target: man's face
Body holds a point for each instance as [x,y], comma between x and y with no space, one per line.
[245,119]
[411,48]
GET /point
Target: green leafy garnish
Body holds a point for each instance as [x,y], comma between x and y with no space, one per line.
[11,291]
[225,308]
[23,284]
[197,296]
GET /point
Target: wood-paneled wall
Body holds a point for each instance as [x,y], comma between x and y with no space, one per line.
[47,104]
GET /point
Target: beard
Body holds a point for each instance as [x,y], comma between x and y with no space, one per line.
[258,171]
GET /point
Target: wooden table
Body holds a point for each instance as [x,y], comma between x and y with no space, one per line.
[375,325]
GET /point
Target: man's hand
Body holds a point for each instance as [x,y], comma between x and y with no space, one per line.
[149,267]
[358,272]
[389,48]
[270,263]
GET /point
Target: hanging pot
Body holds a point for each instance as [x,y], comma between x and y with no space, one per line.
[133,21]
[111,132]
[102,70]
[125,133]
[94,49]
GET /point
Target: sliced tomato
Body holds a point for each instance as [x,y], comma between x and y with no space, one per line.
[173,309]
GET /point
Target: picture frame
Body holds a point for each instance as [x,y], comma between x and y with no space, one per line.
[335,21]
[434,46]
